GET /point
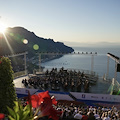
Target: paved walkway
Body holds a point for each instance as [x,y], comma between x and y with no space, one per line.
[18,81]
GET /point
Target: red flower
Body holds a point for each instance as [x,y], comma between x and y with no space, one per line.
[44,102]
[0,62]
[48,110]
[2,116]
[54,102]
[54,114]
[35,101]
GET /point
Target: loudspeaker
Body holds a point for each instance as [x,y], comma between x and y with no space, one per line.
[118,67]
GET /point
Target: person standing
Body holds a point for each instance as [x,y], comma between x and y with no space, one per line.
[78,115]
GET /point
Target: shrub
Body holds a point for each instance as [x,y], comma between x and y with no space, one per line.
[7,91]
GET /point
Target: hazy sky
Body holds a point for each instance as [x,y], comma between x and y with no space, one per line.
[78,21]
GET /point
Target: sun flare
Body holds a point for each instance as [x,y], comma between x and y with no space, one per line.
[2,28]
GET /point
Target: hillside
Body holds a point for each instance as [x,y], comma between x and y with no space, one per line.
[13,42]
[16,36]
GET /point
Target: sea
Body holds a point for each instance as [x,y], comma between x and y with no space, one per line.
[99,62]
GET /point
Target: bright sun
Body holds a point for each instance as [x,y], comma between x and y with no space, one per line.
[2,28]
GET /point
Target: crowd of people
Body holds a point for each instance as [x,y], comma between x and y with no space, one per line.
[72,111]
[82,112]
[72,81]
[66,80]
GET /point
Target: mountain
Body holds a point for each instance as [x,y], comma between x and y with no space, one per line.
[14,43]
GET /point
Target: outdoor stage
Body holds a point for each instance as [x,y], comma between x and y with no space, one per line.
[89,98]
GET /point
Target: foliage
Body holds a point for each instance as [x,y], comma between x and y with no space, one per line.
[19,112]
[42,104]
[7,91]
[18,64]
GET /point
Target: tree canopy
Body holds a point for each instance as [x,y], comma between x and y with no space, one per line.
[7,91]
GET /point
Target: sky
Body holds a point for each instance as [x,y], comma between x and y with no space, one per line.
[73,22]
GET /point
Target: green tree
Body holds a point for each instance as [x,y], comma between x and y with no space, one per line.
[7,91]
